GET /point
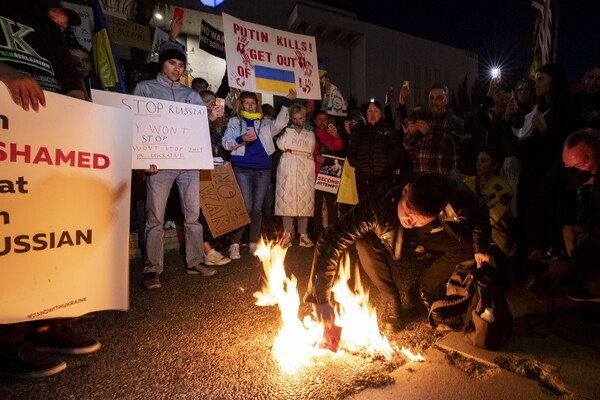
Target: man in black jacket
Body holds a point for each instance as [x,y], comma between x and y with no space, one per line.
[435,211]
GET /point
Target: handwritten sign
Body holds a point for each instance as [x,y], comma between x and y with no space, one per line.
[166,133]
[221,200]
[267,60]
[83,32]
[330,174]
[64,208]
[128,33]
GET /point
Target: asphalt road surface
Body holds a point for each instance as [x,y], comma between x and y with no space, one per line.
[204,338]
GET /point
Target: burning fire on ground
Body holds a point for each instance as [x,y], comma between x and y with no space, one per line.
[297,343]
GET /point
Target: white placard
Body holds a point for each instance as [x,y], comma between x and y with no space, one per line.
[266,60]
[85,31]
[169,134]
[330,174]
[64,211]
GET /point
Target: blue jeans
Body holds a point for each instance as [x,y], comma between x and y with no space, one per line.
[254,184]
[158,186]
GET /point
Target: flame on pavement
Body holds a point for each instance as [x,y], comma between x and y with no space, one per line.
[297,342]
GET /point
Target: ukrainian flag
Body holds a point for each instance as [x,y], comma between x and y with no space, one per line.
[274,80]
[107,65]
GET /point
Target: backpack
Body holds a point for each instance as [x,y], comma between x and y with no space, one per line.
[475,304]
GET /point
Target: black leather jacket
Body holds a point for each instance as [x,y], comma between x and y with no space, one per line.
[466,214]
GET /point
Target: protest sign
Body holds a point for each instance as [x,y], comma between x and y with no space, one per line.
[330,174]
[347,192]
[83,32]
[64,210]
[211,40]
[128,33]
[168,134]
[221,200]
[266,60]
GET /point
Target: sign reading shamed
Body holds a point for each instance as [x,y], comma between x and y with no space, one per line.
[221,200]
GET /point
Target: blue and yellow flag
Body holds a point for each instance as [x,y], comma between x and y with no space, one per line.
[105,61]
[274,80]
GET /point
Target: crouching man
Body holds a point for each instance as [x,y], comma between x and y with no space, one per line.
[440,213]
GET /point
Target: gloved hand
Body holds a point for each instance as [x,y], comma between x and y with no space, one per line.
[332,332]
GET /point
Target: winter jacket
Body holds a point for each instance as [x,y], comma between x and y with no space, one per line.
[465,214]
[266,129]
[375,150]
[295,183]
[165,89]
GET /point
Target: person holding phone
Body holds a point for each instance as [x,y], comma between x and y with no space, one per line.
[435,138]
[328,142]
[249,137]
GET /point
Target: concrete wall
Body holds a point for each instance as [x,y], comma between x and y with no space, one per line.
[362,59]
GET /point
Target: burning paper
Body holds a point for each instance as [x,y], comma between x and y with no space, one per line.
[297,342]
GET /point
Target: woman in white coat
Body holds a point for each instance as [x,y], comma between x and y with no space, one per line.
[295,188]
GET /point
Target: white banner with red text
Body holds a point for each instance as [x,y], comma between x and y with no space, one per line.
[266,60]
[64,211]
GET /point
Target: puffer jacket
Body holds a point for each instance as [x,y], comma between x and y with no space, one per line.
[295,182]
[375,150]
[465,214]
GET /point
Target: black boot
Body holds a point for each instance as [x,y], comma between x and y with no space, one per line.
[392,321]
[421,296]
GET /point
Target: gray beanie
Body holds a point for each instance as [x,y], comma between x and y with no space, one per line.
[169,50]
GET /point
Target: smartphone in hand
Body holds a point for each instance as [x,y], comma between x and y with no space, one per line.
[178,13]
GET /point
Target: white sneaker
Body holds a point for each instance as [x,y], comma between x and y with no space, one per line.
[169,225]
[305,241]
[213,257]
[286,241]
[252,248]
[234,251]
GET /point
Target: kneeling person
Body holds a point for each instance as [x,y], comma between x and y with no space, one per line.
[440,213]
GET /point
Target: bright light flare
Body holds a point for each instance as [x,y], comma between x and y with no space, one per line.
[158,16]
[297,342]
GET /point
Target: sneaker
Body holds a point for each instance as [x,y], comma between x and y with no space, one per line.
[169,225]
[201,269]
[25,362]
[305,241]
[62,339]
[151,281]
[252,248]
[583,295]
[213,257]
[286,241]
[234,251]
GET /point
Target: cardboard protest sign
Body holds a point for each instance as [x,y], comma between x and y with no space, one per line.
[221,200]
[128,33]
[330,174]
[212,40]
[347,193]
[266,60]
[64,211]
[166,133]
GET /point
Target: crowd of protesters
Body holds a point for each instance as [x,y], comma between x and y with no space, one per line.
[541,142]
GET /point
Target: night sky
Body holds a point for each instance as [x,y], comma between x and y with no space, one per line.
[500,31]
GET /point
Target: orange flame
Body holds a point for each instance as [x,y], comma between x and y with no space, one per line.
[297,342]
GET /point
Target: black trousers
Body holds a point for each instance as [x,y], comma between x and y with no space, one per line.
[373,258]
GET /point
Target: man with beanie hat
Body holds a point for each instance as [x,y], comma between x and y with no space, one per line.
[435,211]
[166,86]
